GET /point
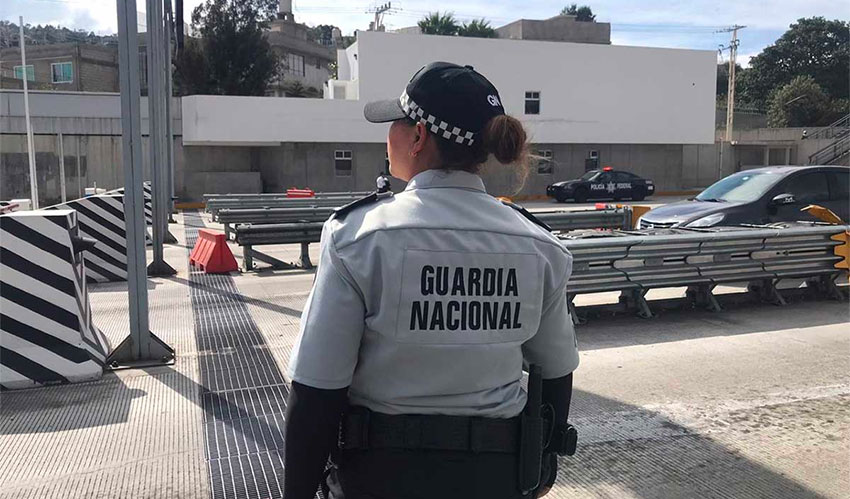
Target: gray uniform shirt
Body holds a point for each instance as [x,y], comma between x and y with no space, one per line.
[428,302]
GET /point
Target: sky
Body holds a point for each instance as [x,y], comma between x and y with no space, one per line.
[694,24]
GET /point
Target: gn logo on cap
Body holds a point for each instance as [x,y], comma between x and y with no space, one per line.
[493,100]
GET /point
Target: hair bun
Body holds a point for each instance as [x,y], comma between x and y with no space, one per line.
[505,138]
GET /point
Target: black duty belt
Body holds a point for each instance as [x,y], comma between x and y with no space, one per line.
[363,429]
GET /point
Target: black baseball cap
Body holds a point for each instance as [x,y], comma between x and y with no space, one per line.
[454,102]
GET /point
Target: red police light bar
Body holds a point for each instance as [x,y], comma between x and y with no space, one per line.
[607,169]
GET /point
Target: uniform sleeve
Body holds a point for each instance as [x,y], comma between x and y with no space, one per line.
[554,347]
[332,324]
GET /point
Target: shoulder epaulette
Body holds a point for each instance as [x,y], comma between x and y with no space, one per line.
[527,214]
[369,199]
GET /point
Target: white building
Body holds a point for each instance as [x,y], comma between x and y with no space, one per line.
[638,108]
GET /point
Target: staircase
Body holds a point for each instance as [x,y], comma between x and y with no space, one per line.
[837,151]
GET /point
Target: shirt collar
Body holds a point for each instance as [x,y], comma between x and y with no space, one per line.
[435,178]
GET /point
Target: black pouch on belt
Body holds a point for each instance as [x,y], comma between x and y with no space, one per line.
[531,433]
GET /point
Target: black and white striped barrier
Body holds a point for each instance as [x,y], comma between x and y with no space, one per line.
[101,218]
[147,191]
[46,331]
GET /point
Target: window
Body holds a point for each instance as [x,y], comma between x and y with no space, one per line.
[532,103]
[342,163]
[63,72]
[544,162]
[294,64]
[623,177]
[19,72]
[839,185]
[807,188]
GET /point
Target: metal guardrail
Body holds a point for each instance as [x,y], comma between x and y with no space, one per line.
[234,216]
[249,236]
[266,226]
[616,218]
[213,206]
[633,262]
[271,195]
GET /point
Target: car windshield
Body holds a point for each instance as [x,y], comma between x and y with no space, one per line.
[589,175]
[742,187]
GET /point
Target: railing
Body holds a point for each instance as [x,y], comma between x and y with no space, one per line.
[304,226]
[832,152]
[636,261]
[838,128]
[214,205]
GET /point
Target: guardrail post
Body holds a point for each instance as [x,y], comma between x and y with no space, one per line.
[247,257]
[765,290]
[305,256]
[701,296]
[635,299]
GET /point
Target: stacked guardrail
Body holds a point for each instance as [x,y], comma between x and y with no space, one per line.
[266,226]
[634,262]
[213,204]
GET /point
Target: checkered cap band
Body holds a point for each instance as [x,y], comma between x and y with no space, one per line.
[434,124]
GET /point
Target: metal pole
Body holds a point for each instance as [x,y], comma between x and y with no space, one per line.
[62,167]
[141,345]
[157,130]
[169,25]
[30,147]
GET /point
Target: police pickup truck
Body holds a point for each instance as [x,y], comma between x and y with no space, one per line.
[606,183]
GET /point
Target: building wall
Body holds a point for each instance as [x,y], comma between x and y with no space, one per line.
[557,29]
[95,67]
[595,93]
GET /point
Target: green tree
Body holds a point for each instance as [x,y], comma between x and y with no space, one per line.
[583,13]
[436,23]
[231,56]
[802,102]
[477,28]
[723,79]
[812,46]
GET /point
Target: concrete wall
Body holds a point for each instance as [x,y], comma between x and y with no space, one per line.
[593,94]
[621,95]
[90,125]
[557,29]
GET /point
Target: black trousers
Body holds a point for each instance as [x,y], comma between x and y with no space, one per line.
[403,474]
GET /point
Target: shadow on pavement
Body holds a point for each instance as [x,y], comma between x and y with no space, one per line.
[685,324]
[625,450]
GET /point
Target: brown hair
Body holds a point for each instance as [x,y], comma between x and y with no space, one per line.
[504,137]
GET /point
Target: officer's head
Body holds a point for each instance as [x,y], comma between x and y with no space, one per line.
[448,117]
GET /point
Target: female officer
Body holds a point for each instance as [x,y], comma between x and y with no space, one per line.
[425,307]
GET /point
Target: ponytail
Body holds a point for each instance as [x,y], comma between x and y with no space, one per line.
[504,137]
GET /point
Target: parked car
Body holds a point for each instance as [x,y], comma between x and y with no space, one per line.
[759,196]
[606,183]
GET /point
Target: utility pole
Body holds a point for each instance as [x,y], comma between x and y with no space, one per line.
[379,11]
[30,147]
[730,94]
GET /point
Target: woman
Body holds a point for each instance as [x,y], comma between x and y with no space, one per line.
[425,307]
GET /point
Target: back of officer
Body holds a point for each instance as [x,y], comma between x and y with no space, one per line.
[425,307]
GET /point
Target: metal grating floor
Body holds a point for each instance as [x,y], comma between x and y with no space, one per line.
[242,388]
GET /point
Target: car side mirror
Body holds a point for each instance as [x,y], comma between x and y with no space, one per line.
[782,199]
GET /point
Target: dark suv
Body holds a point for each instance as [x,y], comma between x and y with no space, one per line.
[759,196]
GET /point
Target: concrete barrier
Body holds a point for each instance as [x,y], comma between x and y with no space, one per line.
[46,331]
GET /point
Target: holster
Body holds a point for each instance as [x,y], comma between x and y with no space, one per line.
[531,434]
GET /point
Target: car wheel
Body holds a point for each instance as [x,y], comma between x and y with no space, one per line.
[580,195]
[560,198]
[638,195]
